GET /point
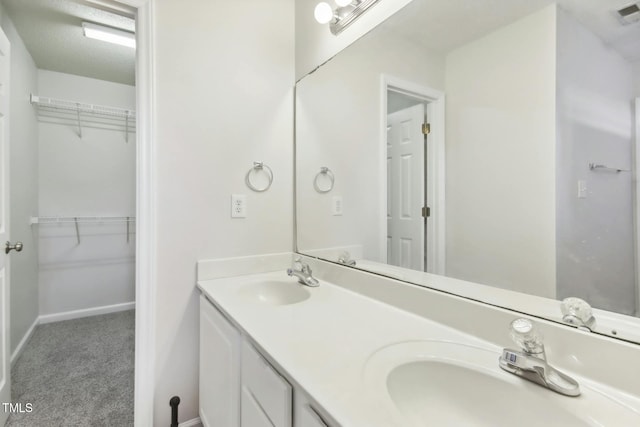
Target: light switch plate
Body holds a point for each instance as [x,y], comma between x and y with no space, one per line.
[582,189]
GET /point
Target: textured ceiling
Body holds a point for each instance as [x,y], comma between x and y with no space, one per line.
[52,32]
[443,25]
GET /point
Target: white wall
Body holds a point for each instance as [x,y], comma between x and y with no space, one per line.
[595,234]
[314,42]
[224,98]
[500,157]
[337,125]
[89,176]
[24,186]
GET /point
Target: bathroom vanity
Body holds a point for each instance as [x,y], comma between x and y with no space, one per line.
[433,227]
[365,350]
[239,386]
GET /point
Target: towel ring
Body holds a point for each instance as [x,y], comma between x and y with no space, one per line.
[326,172]
[259,166]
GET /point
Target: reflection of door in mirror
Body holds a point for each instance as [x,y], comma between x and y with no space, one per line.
[405,184]
[412,161]
[534,96]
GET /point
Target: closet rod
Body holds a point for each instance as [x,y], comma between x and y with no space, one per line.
[80,219]
[75,220]
[86,124]
[99,110]
[64,112]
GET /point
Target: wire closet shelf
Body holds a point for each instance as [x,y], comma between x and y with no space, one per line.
[80,219]
[83,115]
[77,220]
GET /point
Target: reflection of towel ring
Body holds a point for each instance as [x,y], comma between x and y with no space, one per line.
[327,172]
[259,166]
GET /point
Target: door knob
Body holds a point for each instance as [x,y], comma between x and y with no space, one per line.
[17,247]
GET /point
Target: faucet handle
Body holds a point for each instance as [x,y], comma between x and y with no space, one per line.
[299,265]
[526,335]
[577,312]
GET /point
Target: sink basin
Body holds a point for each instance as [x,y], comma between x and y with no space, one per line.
[441,393]
[442,383]
[276,292]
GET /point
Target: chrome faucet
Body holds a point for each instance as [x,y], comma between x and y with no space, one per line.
[303,273]
[530,362]
[345,258]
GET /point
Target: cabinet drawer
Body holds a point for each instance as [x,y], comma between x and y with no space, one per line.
[271,392]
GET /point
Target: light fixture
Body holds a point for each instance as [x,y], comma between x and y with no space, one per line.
[107,34]
[323,13]
[344,15]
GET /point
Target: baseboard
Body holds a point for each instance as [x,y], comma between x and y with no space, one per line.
[95,311]
[18,351]
[191,423]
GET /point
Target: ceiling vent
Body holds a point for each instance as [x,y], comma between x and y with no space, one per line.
[629,14]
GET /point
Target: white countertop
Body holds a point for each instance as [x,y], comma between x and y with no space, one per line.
[323,344]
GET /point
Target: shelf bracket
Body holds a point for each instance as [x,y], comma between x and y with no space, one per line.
[75,220]
[79,123]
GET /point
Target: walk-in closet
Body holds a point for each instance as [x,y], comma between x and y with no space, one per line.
[71,182]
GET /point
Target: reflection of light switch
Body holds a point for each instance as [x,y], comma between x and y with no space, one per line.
[336,205]
[582,189]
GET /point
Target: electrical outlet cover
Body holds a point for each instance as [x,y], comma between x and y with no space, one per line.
[238,206]
[336,205]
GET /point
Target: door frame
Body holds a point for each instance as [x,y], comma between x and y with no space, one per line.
[435,227]
[636,193]
[146,221]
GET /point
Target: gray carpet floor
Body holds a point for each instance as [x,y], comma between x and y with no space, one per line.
[77,373]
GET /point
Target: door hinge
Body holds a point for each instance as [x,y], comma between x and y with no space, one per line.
[426,128]
[426,211]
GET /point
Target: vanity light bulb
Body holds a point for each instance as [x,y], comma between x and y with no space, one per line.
[323,13]
[343,3]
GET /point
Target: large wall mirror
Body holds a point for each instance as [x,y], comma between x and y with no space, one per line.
[483,147]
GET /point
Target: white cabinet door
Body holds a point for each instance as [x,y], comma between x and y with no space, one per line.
[219,369]
[304,414]
[269,389]
[252,414]
[309,418]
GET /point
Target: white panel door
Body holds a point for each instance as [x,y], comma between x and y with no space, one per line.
[405,183]
[5,365]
